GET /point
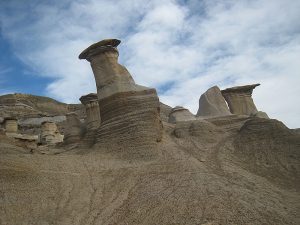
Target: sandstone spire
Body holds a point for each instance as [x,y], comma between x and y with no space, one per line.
[240,100]
[129,112]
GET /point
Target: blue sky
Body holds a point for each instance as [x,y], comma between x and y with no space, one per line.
[179,47]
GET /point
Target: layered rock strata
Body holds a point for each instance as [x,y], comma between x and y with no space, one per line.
[212,104]
[240,100]
[10,125]
[93,119]
[129,112]
[50,134]
[74,131]
[180,113]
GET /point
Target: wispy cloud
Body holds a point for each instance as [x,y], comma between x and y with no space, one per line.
[180,47]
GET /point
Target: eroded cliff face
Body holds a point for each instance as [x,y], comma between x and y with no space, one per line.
[119,165]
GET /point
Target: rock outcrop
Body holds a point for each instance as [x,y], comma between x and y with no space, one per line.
[180,113]
[129,112]
[10,125]
[240,100]
[260,114]
[50,134]
[269,148]
[93,119]
[212,104]
[74,130]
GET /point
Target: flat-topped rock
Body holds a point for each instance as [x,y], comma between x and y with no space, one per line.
[180,113]
[10,125]
[212,104]
[240,100]
[95,48]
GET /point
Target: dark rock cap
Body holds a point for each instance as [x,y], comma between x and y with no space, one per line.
[101,44]
[243,89]
[85,99]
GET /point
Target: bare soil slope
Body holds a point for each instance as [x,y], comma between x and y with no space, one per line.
[218,172]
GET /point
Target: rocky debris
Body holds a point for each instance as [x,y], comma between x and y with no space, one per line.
[74,130]
[260,114]
[180,113]
[10,125]
[93,119]
[240,100]
[50,134]
[268,148]
[212,104]
[164,111]
[129,112]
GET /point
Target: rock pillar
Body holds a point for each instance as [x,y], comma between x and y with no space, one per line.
[73,131]
[129,112]
[11,125]
[93,119]
[240,100]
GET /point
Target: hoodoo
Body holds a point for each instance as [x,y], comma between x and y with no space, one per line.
[240,100]
[129,112]
[93,119]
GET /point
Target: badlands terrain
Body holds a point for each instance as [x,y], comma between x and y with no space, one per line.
[121,157]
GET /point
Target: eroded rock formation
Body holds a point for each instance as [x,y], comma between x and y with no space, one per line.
[93,119]
[10,125]
[240,100]
[180,113]
[74,131]
[212,104]
[129,112]
[50,134]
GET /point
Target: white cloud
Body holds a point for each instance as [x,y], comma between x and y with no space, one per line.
[186,46]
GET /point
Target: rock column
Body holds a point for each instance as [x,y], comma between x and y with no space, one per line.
[73,132]
[11,125]
[93,119]
[240,100]
[129,112]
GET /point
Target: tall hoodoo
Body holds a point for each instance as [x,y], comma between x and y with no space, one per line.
[240,100]
[129,112]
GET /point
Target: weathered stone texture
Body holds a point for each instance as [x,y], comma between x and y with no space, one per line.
[50,134]
[180,113]
[93,119]
[240,100]
[129,112]
[74,131]
[11,125]
[212,104]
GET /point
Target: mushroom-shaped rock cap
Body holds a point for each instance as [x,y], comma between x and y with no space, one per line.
[104,43]
[246,88]
[85,99]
